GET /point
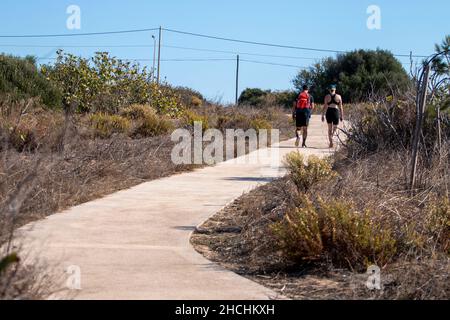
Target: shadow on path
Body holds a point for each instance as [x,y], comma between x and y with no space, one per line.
[250,179]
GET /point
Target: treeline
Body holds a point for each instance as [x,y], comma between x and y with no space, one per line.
[358,74]
[87,85]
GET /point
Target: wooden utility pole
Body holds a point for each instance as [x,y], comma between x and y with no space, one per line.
[422,100]
[154,58]
[159,55]
[411,64]
[237,79]
[438,116]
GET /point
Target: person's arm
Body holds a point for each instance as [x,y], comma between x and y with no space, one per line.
[325,107]
[341,108]
[294,108]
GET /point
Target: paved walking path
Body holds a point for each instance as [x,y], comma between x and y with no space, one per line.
[134,244]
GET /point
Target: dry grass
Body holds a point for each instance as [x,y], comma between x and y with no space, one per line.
[244,118]
[51,161]
[328,235]
[24,281]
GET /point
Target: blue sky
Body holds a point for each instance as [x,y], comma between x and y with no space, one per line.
[327,24]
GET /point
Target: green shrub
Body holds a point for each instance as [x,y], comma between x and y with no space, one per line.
[22,138]
[152,125]
[137,112]
[99,84]
[7,261]
[353,238]
[107,84]
[266,98]
[196,101]
[299,233]
[252,97]
[189,97]
[336,232]
[21,79]
[260,124]
[305,173]
[237,120]
[190,117]
[222,121]
[105,125]
[165,100]
[438,223]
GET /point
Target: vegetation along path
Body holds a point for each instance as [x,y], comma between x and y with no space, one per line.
[134,244]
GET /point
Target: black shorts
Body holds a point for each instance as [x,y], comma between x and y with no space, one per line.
[302,117]
[333,116]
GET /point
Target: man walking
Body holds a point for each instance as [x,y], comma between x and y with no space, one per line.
[303,107]
[333,112]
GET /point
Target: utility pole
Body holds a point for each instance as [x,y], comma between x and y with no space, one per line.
[159,55]
[154,58]
[422,100]
[438,116]
[237,79]
[411,63]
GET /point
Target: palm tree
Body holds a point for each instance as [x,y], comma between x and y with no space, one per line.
[442,63]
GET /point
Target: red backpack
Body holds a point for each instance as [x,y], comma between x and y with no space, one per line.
[303,101]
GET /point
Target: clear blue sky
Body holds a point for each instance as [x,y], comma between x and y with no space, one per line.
[328,24]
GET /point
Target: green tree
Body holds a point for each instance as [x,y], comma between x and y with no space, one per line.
[106,84]
[357,74]
[252,97]
[285,98]
[440,78]
[20,78]
[266,98]
[442,64]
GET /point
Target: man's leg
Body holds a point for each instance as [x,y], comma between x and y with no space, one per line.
[305,136]
[297,142]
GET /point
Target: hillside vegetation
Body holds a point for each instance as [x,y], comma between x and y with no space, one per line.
[21,79]
[317,233]
[83,128]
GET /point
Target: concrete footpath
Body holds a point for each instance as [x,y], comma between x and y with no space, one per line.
[134,244]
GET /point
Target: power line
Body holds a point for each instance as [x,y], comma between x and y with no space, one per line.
[273,64]
[251,42]
[164,46]
[175,47]
[242,53]
[207,59]
[165,60]
[270,44]
[191,34]
[78,46]
[77,34]
[202,60]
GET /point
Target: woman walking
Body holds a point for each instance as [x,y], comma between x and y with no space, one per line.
[333,112]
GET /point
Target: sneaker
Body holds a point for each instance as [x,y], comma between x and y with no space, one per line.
[297,142]
[331,145]
[304,145]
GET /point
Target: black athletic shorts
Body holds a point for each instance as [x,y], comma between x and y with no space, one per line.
[333,116]
[302,117]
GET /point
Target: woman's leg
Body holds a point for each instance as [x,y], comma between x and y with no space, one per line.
[330,134]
